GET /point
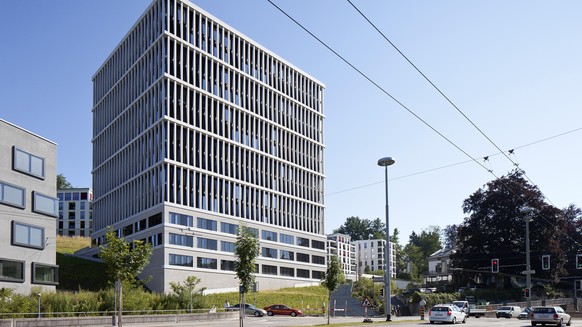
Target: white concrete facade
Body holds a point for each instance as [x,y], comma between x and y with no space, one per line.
[75,212]
[341,246]
[28,210]
[370,254]
[198,129]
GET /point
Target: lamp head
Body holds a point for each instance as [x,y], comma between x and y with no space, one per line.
[526,210]
[386,161]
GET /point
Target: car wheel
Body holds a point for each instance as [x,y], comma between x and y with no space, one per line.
[510,316]
[569,322]
[534,324]
[454,320]
[560,323]
[497,316]
[432,322]
[464,319]
[257,314]
[269,313]
[293,314]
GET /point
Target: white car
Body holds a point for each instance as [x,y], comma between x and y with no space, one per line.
[550,315]
[446,313]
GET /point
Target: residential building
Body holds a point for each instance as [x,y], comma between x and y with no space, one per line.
[197,130]
[370,256]
[28,210]
[439,268]
[75,211]
[340,245]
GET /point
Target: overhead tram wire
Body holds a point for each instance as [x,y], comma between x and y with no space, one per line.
[443,94]
[380,88]
[455,164]
[400,103]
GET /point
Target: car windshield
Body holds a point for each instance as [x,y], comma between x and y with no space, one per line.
[505,308]
[440,309]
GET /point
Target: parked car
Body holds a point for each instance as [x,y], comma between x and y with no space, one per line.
[550,315]
[508,311]
[281,309]
[446,313]
[524,314]
[249,310]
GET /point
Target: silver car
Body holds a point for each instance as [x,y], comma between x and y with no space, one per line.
[446,313]
[550,315]
[249,310]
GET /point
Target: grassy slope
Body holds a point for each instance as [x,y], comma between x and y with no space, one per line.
[76,273]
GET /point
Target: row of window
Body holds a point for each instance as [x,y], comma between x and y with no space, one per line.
[229,265]
[14,271]
[15,196]
[74,196]
[212,225]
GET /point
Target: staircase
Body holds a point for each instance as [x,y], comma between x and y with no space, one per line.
[347,305]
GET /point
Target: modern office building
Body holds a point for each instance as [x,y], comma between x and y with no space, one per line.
[28,210]
[75,211]
[370,256]
[197,130]
[340,245]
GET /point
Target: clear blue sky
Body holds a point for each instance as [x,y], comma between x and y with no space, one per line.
[513,67]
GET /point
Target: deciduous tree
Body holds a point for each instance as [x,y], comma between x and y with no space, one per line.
[247,250]
[334,276]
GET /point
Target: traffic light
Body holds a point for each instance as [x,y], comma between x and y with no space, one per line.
[526,293]
[546,262]
[495,265]
[578,261]
[381,292]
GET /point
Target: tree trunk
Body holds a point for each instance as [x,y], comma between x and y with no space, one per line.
[120,303]
[242,310]
[328,307]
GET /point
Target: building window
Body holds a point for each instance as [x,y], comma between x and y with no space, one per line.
[27,235]
[45,274]
[208,224]
[302,273]
[184,240]
[184,220]
[302,241]
[318,245]
[206,263]
[76,196]
[318,260]
[227,265]
[302,257]
[287,255]
[269,253]
[269,236]
[288,239]
[317,274]
[229,228]
[181,260]
[28,163]
[11,271]
[269,270]
[45,204]
[206,243]
[286,271]
[227,246]
[11,195]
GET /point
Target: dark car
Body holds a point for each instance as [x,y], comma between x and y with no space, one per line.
[281,309]
[249,310]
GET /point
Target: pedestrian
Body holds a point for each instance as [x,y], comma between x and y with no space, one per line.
[226,305]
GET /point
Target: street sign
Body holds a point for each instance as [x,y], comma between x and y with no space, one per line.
[525,272]
[366,303]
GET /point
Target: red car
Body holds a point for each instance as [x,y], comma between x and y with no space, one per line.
[281,309]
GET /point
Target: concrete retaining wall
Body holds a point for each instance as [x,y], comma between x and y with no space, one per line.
[108,320]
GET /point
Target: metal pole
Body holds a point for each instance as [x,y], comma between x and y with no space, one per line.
[527,261]
[387,270]
[39,295]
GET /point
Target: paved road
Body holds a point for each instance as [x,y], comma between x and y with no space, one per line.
[285,321]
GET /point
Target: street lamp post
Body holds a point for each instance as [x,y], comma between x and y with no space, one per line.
[39,295]
[527,211]
[385,162]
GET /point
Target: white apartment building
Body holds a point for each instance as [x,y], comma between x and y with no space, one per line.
[340,245]
[75,211]
[28,210]
[370,256]
[198,129]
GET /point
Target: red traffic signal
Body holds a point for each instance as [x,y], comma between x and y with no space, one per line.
[526,293]
[494,265]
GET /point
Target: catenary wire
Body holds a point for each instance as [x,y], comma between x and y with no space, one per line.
[444,95]
[408,109]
